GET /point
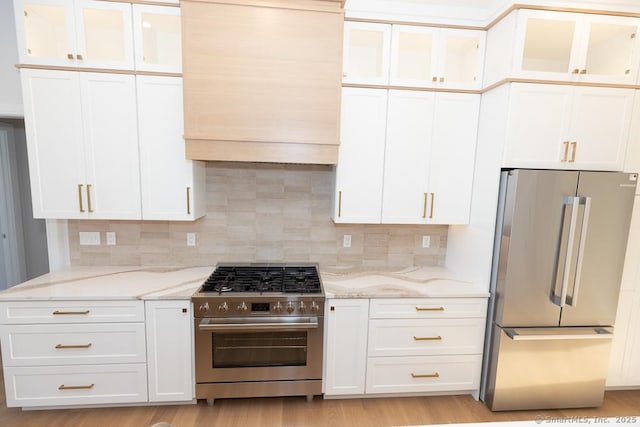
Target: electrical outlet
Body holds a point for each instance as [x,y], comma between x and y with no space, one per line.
[90,238]
[191,239]
[111,238]
[426,241]
[346,241]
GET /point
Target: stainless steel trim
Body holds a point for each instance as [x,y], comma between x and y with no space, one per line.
[258,389]
[573,299]
[595,334]
[271,323]
[573,202]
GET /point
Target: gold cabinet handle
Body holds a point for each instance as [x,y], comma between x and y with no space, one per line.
[79,57]
[188,200]
[566,151]
[339,204]
[574,145]
[434,79]
[430,308]
[424,207]
[576,71]
[433,198]
[71,312]
[80,197]
[75,387]
[436,338]
[63,346]
[584,71]
[69,56]
[89,208]
[434,375]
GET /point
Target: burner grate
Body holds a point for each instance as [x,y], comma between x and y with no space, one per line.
[263,278]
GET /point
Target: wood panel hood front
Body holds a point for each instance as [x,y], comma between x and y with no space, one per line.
[262,80]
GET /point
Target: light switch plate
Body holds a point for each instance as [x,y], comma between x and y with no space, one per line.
[426,241]
[89,238]
[346,241]
[191,239]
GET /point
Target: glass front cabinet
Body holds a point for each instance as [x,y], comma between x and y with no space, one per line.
[412,56]
[576,47]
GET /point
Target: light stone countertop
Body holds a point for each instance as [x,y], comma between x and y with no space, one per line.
[149,283]
[109,283]
[413,282]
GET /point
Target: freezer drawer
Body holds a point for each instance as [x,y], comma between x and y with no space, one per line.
[540,368]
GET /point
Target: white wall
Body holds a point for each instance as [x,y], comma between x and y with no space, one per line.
[10,93]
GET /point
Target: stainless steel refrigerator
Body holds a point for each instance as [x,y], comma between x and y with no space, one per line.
[561,238]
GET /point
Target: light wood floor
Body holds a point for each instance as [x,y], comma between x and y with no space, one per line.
[297,412]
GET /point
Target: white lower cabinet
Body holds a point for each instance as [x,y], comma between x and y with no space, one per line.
[346,347]
[624,369]
[423,374]
[414,345]
[75,385]
[57,353]
[170,350]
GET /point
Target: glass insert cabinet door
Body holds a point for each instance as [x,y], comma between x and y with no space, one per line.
[81,33]
[158,38]
[366,53]
[424,56]
[577,47]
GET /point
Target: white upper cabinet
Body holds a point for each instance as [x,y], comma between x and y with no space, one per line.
[434,57]
[568,127]
[359,172]
[366,53]
[406,157]
[172,187]
[158,38]
[412,56]
[82,144]
[429,157]
[576,47]
[80,33]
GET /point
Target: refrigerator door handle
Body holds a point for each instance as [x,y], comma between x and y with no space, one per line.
[573,202]
[524,334]
[573,299]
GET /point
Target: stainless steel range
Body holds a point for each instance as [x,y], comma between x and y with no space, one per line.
[259,331]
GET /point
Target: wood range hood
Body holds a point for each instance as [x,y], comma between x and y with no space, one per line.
[262,80]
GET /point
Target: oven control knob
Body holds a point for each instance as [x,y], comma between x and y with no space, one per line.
[314,307]
[223,308]
[290,308]
[243,307]
[302,308]
[278,307]
[204,307]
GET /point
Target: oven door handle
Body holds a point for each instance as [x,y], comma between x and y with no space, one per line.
[242,324]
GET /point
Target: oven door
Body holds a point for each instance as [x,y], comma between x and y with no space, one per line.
[258,348]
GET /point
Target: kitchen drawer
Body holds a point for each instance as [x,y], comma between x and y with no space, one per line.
[423,374]
[427,308]
[23,312]
[421,337]
[75,385]
[72,344]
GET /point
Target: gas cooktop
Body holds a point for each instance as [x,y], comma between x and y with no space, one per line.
[264,278]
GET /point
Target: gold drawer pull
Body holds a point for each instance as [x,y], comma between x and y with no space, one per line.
[73,345]
[429,308]
[75,387]
[71,312]
[436,375]
[436,338]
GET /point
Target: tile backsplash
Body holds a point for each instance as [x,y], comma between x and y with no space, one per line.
[261,213]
